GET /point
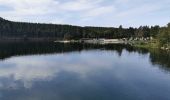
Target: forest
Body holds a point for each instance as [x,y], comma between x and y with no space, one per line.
[25,30]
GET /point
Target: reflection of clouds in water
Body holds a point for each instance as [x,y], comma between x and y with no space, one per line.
[93,74]
[28,69]
[44,67]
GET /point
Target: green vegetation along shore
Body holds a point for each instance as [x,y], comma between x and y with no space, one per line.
[144,36]
[151,44]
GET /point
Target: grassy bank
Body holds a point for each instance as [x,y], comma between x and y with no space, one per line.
[145,44]
[150,44]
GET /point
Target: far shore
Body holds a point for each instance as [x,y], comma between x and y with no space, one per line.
[141,43]
[93,41]
[148,43]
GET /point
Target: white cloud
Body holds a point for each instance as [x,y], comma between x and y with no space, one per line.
[28,69]
[29,7]
[86,12]
[100,11]
[22,9]
[140,10]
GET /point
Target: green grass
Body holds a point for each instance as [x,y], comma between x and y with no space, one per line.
[145,44]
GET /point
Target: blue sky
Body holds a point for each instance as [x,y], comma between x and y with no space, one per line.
[88,12]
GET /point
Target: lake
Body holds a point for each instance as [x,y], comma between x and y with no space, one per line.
[53,71]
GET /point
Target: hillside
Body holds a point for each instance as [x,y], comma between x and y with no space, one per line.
[24,30]
[38,30]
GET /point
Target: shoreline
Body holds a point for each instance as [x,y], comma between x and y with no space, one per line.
[147,44]
[93,41]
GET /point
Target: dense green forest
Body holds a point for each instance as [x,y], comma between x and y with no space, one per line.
[10,29]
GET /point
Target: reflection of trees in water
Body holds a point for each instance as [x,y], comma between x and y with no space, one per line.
[157,57]
[31,48]
[161,58]
[7,50]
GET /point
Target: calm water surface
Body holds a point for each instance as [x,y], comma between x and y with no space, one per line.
[48,71]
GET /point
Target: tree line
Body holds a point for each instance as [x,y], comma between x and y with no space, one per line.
[37,30]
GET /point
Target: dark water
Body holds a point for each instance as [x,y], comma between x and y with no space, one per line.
[50,71]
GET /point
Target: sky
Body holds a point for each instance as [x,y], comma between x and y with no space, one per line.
[106,13]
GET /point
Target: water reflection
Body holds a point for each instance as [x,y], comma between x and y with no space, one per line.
[48,71]
[161,58]
[8,50]
[30,48]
